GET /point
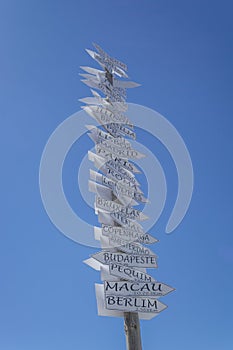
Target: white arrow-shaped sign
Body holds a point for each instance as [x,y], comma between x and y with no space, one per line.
[134,304]
[115,94]
[97,75]
[106,257]
[117,129]
[114,165]
[104,148]
[156,289]
[103,115]
[114,207]
[116,176]
[107,58]
[124,246]
[115,107]
[100,135]
[121,219]
[129,274]
[125,234]
[120,187]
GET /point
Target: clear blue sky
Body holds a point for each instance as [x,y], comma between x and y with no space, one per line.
[182,53]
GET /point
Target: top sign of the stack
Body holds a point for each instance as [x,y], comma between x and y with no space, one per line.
[105,61]
[104,80]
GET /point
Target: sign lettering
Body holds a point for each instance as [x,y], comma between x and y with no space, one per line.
[134,304]
[111,206]
[127,235]
[156,289]
[107,257]
[128,273]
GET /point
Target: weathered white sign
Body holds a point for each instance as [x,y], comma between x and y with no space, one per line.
[114,207]
[119,163]
[113,170]
[115,94]
[121,219]
[108,81]
[91,70]
[117,129]
[126,234]
[123,288]
[124,84]
[116,176]
[119,189]
[105,218]
[134,304]
[124,201]
[104,148]
[108,62]
[97,75]
[103,115]
[102,191]
[129,247]
[129,273]
[107,257]
[115,107]
[122,245]
[107,57]
[100,135]
[106,117]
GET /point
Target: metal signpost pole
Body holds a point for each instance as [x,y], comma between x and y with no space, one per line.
[132,331]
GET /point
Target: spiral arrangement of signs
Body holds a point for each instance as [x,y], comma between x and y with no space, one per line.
[125,256]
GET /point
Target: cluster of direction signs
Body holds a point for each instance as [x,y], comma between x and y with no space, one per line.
[125,256]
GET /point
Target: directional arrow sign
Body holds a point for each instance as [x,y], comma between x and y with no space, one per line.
[113,93]
[107,257]
[115,107]
[123,192]
[129,247]
[117,163]
[129,273]
[116,176]
[121,219]
[107,57]
[123,246]
[126,234]
[100,162]
[116,128]
[113,183]
[114,207]
[111,64]
[119,151]
[100,135]
[134,304]
[102,191]
[102,76]
[125,201]
[105,60]
[105,218]
[104,115]
[156,289]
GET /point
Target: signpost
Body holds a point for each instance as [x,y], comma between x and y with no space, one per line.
[128,290]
